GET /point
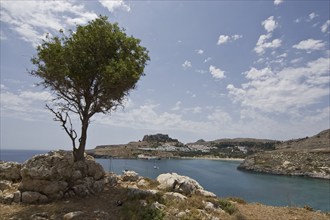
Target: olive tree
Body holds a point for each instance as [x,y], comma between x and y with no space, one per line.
[89,71]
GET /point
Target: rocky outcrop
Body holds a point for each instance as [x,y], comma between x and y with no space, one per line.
[158,138]
[309,156]
[55,175]
[130,176]
[51,176]
[295,163]
[181,184]
[10,171]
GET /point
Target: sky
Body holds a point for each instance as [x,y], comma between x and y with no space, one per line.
[218,69]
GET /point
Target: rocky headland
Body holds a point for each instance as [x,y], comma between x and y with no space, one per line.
[309,156]
[52,186]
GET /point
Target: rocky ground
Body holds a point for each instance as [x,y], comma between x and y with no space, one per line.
[143,199]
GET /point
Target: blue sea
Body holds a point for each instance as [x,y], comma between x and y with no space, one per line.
[220,177]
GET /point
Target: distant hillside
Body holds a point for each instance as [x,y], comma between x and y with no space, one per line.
[319,141]
[309,156]
[161,145]
[240,140]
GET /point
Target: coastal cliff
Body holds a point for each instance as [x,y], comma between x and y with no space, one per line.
[309,156]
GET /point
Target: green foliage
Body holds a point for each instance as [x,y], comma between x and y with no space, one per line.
[135,211]
[89,71]
[152,214]
[227,206]
[94,67]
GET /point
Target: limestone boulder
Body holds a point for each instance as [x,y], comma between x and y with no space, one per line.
[174,196]
[130,176]
[178,183]
[5,184]
[111,179]
[73,215]
[33,197]
[181,184]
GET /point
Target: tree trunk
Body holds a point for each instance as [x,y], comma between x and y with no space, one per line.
[78,154]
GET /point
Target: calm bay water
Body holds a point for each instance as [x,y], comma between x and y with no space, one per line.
[222,178]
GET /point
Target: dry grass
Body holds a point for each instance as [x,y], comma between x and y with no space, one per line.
[133,209]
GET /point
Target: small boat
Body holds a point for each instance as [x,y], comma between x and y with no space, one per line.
[155,167]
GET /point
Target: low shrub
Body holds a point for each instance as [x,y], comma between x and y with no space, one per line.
[238,200]
[226,205]
[135,211]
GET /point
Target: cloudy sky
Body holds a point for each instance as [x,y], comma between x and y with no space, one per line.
[218,69]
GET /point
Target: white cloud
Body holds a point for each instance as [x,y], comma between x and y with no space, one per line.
[3,87]
[220,116]
[32,19]
[201,71]
[26,105]
[207,59]
[269,24]
[298,20]
[325,26]
[200,51]
[262,44]
[236,37]
[277,2]
[312,15]
[196,109]
[217,122]
[112,5]
[297,60]
[290,89]
[147,117]
[255,74]
[217,72]
[223,39]
[310,45]
[177,106]
[186,64]
[283,55]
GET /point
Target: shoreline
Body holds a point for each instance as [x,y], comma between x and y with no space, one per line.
[169,158]
[212,158]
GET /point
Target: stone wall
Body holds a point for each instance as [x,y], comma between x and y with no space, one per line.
[49,177]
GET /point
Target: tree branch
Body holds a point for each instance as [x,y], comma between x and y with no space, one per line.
[64,120]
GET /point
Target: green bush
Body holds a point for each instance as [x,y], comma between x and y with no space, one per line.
[152,214]
[135,211]
[226,205]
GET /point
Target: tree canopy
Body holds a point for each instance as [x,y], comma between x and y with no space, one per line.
[89,71]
